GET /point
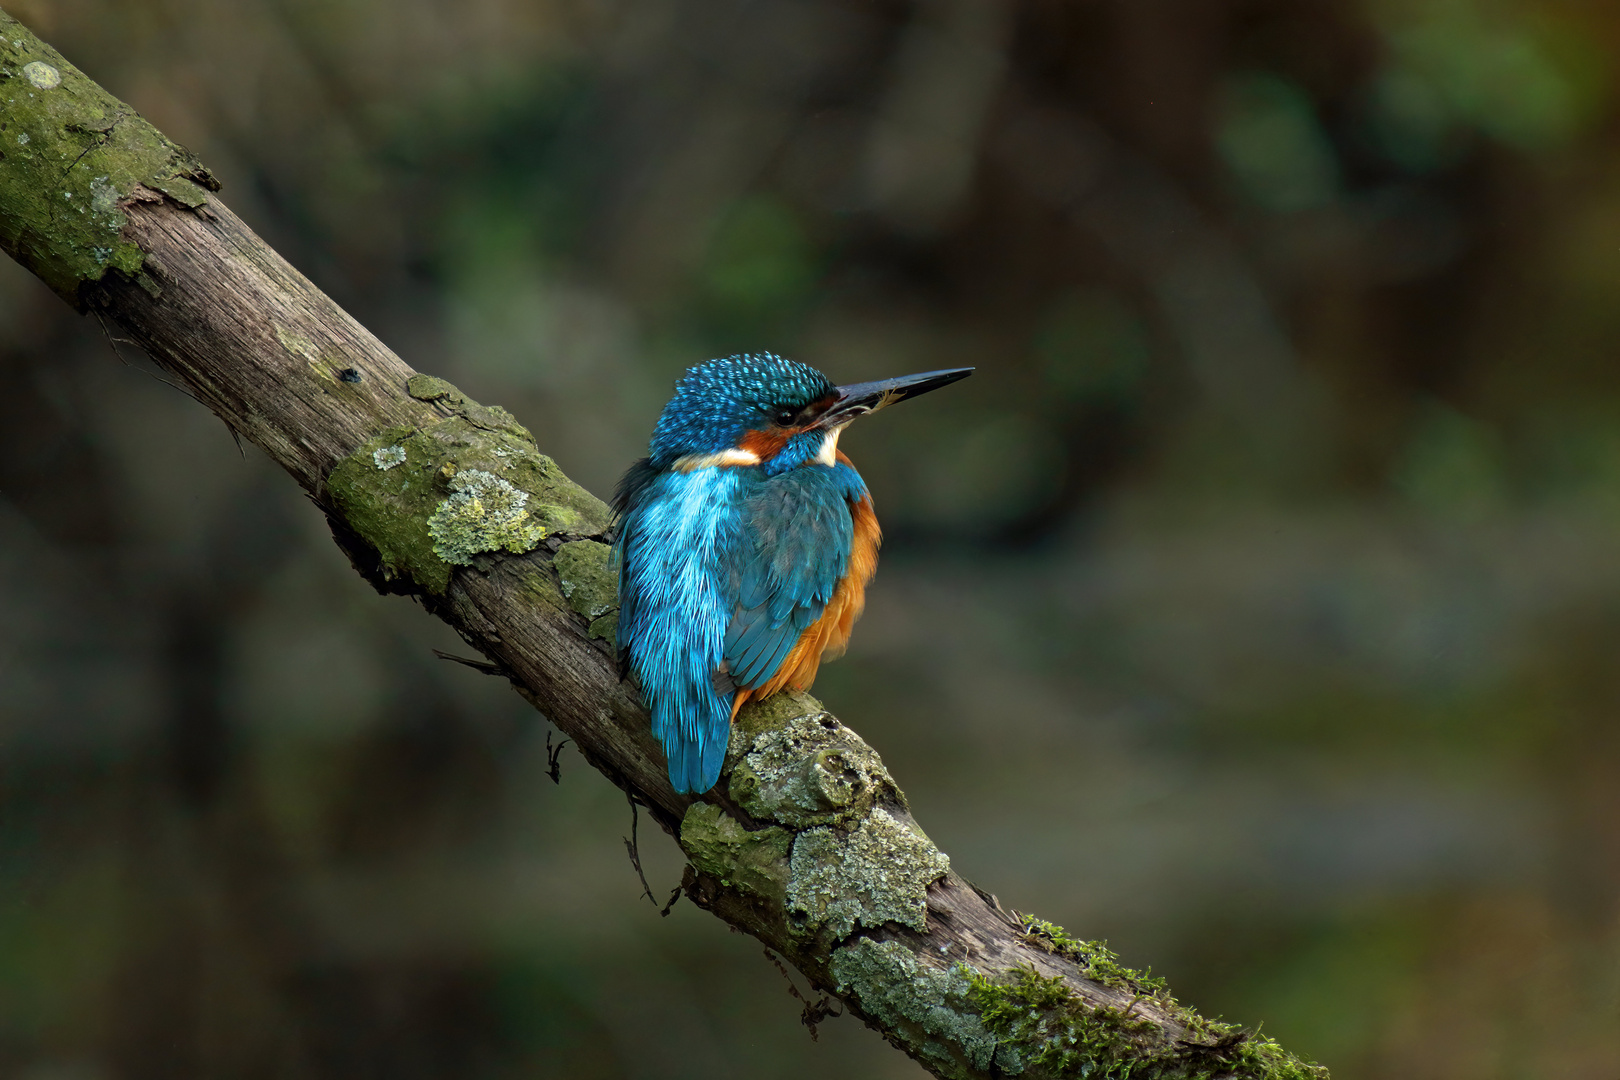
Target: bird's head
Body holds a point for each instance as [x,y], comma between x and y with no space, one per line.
[763,409]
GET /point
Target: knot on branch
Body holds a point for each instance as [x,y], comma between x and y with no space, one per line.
[806,770]
[838,851]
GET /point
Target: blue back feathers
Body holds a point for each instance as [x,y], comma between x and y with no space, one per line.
[800,532]
[722,568]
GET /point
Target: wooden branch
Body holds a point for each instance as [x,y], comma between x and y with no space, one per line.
[807,843]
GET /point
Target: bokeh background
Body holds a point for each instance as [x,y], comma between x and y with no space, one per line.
[1256,606]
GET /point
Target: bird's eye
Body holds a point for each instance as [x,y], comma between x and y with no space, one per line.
[784,417]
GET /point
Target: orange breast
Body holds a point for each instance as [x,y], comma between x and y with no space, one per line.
[827,637]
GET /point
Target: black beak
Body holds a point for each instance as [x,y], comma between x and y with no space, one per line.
[858,399]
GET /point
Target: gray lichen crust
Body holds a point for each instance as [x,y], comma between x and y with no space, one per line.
[483,514]
[929,1007]
[812,770]
[857,859]
[475,475]
[879,873]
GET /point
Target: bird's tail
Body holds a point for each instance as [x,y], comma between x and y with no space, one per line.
[696,748]
[695,767]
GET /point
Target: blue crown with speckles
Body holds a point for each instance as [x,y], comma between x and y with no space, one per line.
[717,401]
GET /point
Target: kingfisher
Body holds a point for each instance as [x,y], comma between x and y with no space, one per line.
[745,543]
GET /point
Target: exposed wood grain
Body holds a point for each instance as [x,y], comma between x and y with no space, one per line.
[252,339]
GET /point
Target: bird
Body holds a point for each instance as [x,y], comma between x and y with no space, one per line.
[745,540]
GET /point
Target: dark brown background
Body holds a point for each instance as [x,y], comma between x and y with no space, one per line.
[1255,607]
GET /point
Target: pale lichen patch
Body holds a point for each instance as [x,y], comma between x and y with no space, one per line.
[927,1007]
[811,770]
[104,198]
[877,874]
[42,75]
[388,457]
[483,513]
[390,507]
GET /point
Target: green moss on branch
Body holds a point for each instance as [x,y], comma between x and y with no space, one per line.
[753,862]
[585,568]
[72,156]
[457,492]
[1057,1034]
[928,1009]
[1095,960]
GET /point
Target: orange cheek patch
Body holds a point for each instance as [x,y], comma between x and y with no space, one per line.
[764,444]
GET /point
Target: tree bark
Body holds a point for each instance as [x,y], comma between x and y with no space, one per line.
[807,843]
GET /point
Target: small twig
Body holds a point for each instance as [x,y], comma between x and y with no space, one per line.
[553,766]
[635,854]
[815,1012]
[632,847]
[485,666]
[112,342]
[235,437]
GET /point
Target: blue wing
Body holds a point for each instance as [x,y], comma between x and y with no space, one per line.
[678,535]
[794,554]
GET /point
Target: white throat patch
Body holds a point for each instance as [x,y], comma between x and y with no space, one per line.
[828,454]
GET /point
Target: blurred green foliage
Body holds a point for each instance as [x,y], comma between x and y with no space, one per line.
[759,270]
[1269,137]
